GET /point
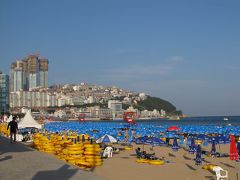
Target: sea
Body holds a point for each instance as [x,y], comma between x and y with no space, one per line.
[207,120]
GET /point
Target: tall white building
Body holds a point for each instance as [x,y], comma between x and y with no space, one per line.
[32,99]
[116,107]
[18,76]
[43,72]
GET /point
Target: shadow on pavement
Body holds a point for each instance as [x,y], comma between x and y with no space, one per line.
[5,158]
[186,158]
[171,155]
[61,173]
[213,173]
[210,177]
[206,161]
[125,157]
[7,147]
[228,165]
[190,167]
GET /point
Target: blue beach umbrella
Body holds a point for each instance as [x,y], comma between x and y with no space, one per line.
[156,141]
[141,140]
[175,146]
[198,159]
[149,141]
[188,141]
[238,148]
[205,143]
[106,139]
[213,151]
[180,139]
[192,147]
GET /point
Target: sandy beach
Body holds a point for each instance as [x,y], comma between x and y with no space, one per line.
[182,166]
[121,166]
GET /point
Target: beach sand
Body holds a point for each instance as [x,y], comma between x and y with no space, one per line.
[182,166]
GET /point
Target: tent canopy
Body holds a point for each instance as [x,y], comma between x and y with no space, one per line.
[29,122]
[9,119]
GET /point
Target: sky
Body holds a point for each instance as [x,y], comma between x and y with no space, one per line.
[186,52]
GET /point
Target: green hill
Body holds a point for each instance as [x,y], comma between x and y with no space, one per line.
[152,103]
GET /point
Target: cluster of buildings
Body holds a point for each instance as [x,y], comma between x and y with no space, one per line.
[27,87]
[29,73]
[4,93]
[18,89]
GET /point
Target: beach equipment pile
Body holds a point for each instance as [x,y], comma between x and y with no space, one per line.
[92,155]
[3,129]
[83,154]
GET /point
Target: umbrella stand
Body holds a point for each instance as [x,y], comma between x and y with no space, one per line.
[152,147]
[236,170]
[219,148]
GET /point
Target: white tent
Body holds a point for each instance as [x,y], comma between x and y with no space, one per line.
[9,119]
[29,122]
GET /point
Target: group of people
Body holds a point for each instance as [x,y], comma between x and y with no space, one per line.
[145,155]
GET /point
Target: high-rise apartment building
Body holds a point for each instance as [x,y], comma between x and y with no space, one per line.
[43,72]
[29,73]
[33,71]
[4,93]
[32,99]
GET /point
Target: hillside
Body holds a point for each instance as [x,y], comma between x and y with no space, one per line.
[152,103]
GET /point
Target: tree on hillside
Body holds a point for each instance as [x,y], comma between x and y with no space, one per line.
[152,103]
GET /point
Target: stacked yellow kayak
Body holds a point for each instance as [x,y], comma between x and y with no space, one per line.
[37,141]
[91,156]
[43,144]
[58,142]
[73,152]
[85,155]
[3,130]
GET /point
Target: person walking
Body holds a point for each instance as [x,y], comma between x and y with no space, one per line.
[13,129]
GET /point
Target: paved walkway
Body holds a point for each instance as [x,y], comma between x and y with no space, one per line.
[20,162]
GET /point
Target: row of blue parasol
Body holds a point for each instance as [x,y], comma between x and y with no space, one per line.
[98,129]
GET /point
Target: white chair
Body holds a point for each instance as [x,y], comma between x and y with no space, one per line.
[220,173]
[108,151]
[19,137]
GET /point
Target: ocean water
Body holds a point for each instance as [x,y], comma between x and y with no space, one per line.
[208,120]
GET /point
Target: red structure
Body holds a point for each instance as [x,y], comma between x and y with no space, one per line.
[233,149]
[173,128]
[82,117]
[129,117]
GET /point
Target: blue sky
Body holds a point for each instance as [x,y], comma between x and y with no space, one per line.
[187,52]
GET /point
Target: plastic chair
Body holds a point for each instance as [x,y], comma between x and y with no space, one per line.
[19,137]
[218,171]
[108,152]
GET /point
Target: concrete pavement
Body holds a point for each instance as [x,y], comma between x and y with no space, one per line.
[20,162]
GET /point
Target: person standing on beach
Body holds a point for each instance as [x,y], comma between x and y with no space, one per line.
[13,129]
